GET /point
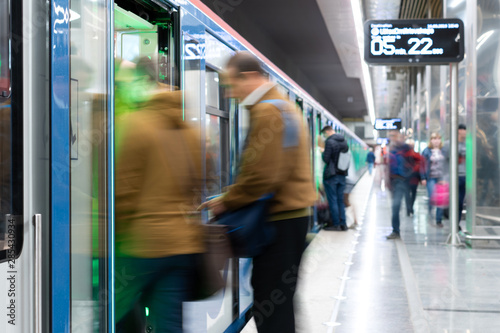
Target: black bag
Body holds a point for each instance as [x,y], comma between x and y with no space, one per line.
[248,228]
[324,215]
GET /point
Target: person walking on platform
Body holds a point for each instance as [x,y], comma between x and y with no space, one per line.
[414,179]
[401,161]
[433,171]
[370,160]
[267,166]
[158,237]
[462,132]
[334,179]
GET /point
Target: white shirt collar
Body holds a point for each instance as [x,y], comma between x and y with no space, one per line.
[257,94]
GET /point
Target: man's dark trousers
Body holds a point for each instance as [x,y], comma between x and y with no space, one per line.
[334,188]
[274,277]
[399,188]
[461,196]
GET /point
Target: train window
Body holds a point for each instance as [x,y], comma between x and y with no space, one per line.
[216,134]
[217,154]
[216,52]
[213,155]
[213,93]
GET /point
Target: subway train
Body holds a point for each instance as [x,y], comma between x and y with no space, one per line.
[60,64]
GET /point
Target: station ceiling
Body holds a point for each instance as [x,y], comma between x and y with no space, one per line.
[315,43]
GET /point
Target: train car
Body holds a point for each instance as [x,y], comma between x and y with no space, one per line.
[63,83]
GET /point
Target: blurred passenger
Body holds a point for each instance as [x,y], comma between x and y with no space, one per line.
[462,133]
[348,202]
[488,184]
[434,171]
[414,179]
[381,172]
[370,160]
[333,178]
[158,236]
[125,100]
[401,161]
[322,209]
[267,167]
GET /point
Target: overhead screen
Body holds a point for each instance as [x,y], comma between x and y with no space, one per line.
[414,42]
[387,124]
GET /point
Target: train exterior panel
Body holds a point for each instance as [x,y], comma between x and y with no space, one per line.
[63,69]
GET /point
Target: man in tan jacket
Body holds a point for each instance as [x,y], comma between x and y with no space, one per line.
[268,166]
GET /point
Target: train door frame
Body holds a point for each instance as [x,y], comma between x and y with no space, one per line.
[193,34]
[224,131]
[225,161]
[60,176]
[98,162]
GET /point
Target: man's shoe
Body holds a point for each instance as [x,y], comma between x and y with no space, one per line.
[343,227]
[439,224]
[333,228]
[393,236]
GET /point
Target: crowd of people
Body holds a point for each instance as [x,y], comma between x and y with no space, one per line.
[406,169]
[402,170]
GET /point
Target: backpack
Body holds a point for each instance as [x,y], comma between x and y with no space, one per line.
[401,163]
[344,161]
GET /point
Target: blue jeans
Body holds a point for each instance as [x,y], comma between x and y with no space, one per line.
[399,190]
[410,197]
[431,183]
[334,188]
[370,168]
[161,284]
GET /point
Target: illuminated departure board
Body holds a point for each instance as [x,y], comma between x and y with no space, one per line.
[387,124]
[414,42]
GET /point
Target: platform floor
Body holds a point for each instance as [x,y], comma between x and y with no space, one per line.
[358,281]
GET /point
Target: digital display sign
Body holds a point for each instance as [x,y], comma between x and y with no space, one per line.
[384,141]
[387,124]
[414,42]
